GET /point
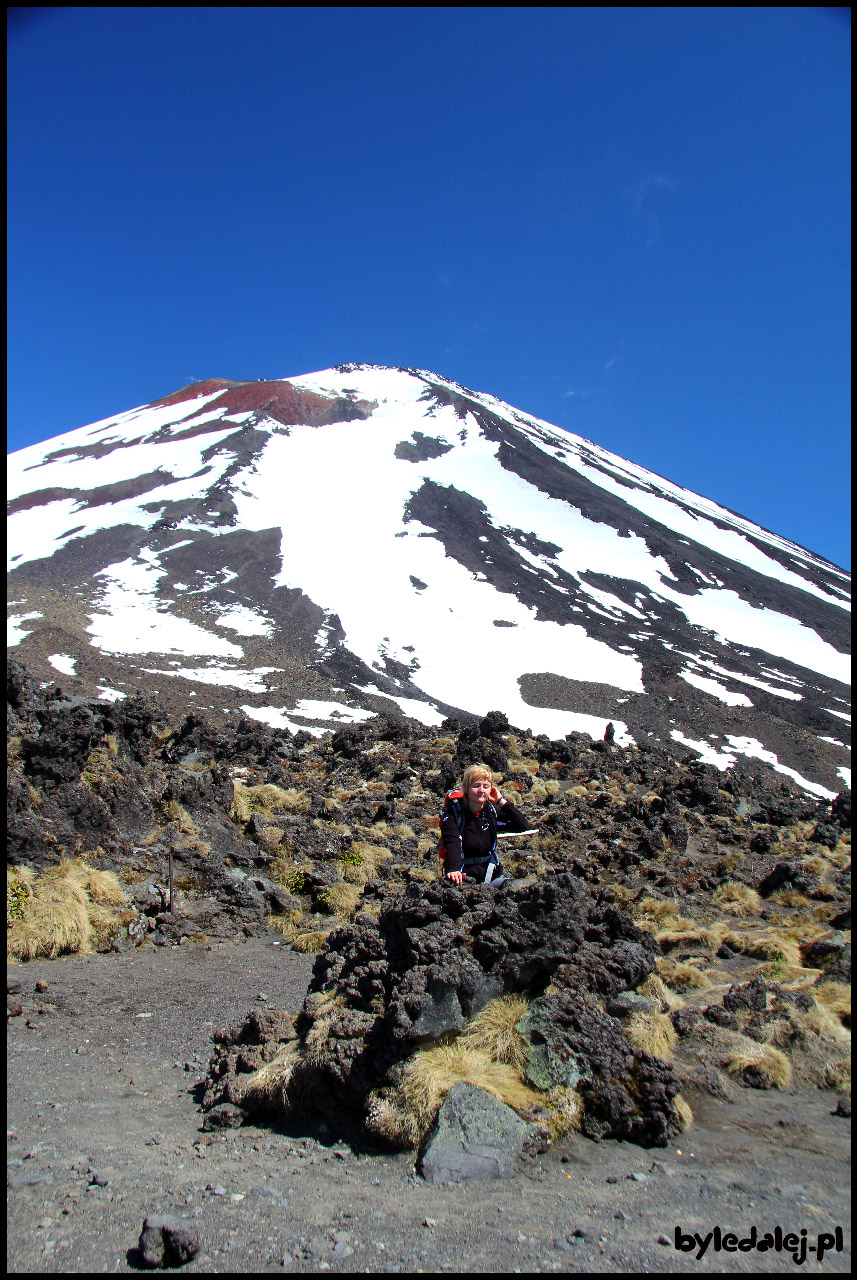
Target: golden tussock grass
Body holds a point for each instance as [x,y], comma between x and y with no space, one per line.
[790,898]
[265,798]
[794,975]
[822,1022]
[361,861]
[494,1030]
[837,1075]
[737,899]
[405,1115]
[769,944]
[341,900]
[177,813]
[653,1033]
[270,1084]
[685,1113]
[840,857]
[769,1062]
[836,997]
[70,907]
[286,922]
[682,932]
[540,789]
[656,988]
[307,940]
[323,1009]
[687,977]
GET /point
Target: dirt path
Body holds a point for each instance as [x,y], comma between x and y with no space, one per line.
[103,1129]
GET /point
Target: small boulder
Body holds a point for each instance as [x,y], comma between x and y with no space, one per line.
[474,1136]
[167,1241]
[628,1002]
[752,995]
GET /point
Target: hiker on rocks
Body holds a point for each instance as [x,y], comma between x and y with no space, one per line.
[469,825]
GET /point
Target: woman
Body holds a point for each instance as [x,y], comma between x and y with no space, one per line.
[469,829]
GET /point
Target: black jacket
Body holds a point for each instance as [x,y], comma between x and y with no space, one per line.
[477,838]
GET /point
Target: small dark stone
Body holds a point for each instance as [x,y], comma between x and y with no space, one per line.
[720,1017]
[753,995]
[684,1020]
[14,1007]
[842,1108]
[226,1116]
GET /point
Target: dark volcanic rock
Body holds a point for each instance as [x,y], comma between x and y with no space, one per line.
[753,995]
[168,1241]
[439,953]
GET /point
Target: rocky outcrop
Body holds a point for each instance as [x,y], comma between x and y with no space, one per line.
[435,958]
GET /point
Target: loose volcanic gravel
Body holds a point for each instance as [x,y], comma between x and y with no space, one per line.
[104,1128]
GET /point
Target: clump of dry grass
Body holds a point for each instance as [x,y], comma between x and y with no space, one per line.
[404,1115]
[286,922]
[837,1075]
[540,789]
[837,998]
[71,907]
[495,1030]
[737,899]
[308,940]
[747,1058]
[768,944]
[269,1086]
[656,988]
[686,977]
[323,1009]
[341,900]
[789,897]
[490,1053]
[361,861]
[265,798]
[652,1033]
[685,1114]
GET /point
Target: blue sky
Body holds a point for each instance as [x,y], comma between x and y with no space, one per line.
[634,223]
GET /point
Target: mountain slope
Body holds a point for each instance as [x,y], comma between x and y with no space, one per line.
[372,540]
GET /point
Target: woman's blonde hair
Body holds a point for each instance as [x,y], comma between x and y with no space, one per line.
[472,774]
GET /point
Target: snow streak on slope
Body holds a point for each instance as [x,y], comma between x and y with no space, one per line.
[445,551]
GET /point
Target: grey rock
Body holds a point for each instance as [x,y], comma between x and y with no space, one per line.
[474,1136]
[628,1002]
[167,1241]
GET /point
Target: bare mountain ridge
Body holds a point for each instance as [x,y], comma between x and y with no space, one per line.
[370,540]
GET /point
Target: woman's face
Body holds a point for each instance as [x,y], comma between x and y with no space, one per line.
[478,792]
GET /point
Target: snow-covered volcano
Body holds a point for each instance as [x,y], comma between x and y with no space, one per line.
[371,540]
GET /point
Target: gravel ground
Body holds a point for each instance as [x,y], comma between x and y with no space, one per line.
[103,1129]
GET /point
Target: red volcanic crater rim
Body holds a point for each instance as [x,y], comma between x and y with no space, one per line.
[280,400]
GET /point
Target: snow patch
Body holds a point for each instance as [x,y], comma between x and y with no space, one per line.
[757,751]
[716,689]
[14,632]
[63,663]
[840,715]
[135,620]
[250,681]
[110,695]
[245,621]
